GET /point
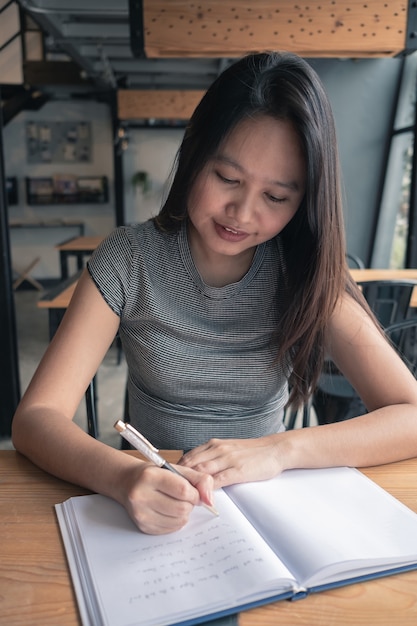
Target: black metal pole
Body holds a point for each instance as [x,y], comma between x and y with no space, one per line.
[9,369]
[118,164]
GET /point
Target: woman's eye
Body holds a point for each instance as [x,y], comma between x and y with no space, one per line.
[229,181]
[275,199]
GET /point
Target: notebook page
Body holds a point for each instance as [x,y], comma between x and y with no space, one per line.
[317,518]
[210,564]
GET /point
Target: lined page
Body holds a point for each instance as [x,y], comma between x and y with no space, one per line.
[212,563]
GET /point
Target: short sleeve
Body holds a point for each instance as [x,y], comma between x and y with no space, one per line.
[110,268]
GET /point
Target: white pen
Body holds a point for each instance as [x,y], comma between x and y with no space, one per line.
[138,441]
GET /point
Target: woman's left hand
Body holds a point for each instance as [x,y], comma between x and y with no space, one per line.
[231,461]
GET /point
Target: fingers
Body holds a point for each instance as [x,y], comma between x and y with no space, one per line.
[200,457]
[213,457]
[221,459]
[203,482]
[160,501]
[231,461]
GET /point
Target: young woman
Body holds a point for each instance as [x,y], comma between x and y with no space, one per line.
[224,302]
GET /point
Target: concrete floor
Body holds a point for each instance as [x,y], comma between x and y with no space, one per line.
[33,338]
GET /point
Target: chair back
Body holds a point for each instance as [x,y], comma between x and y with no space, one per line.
[389,299]
[354,261]
[404,338]
[335,399]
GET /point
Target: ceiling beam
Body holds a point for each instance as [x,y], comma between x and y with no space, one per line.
[41,73]
[231,28]
[157,104]
[49,23]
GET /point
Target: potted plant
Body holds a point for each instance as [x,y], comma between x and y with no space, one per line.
[140,180]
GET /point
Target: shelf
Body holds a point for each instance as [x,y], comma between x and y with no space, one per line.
[67,190]
[48,224]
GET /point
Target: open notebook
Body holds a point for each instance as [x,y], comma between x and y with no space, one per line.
[301,532]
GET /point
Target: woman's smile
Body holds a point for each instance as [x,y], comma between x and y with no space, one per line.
[228,233]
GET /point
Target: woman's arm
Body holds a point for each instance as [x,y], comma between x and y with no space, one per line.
[43,429]
[387,433]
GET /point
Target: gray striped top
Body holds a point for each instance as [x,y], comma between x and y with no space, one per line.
[200,358]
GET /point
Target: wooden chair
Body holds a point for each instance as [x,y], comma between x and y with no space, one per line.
[25,275]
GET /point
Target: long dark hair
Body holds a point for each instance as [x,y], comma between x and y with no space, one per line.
[285,87]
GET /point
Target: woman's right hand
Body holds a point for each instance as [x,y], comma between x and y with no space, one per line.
[160,501]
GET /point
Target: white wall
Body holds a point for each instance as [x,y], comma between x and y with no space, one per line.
[99,219]
[151,150]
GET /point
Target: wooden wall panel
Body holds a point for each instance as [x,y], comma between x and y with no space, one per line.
[162,104]
[231,28]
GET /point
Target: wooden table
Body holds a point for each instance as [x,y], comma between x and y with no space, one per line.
[60,298]
[56,301]
[78,247]
[387,274]
[36,589]
[24,274]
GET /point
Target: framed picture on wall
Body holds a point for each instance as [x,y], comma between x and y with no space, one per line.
[58,142]
[39,190]
[92,188]
[65,185]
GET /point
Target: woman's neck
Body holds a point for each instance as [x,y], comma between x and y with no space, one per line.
[220,270]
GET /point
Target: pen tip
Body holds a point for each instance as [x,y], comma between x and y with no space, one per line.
[211,508]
